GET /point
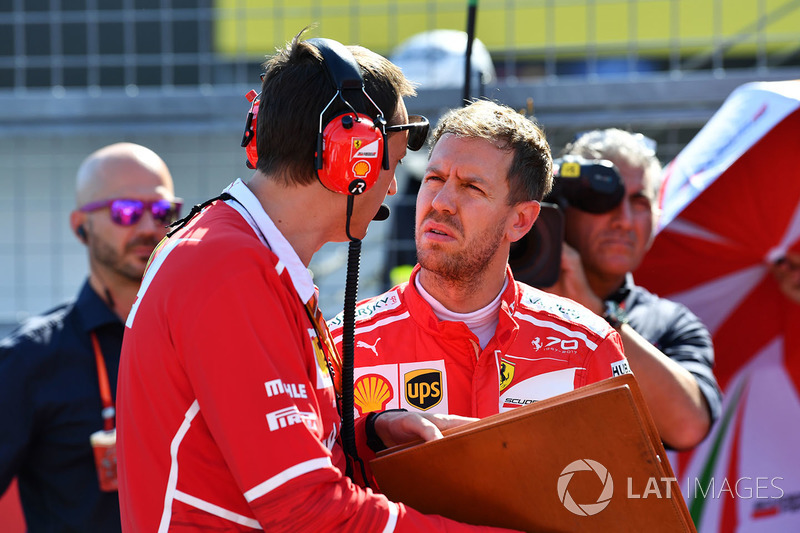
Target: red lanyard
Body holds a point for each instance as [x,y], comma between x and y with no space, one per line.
[108,411]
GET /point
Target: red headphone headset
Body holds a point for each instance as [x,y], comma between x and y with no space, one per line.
[351,147]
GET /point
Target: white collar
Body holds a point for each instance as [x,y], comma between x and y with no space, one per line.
[253,212]
[474,318]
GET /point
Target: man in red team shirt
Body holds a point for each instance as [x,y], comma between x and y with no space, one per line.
[227,411]
[462,336]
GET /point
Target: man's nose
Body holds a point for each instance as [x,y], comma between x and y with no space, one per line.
[623,213]
[445,200]
[148,224]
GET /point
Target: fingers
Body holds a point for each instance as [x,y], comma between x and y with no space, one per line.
[402,427]
[424,428]
[432,425]
[445,422]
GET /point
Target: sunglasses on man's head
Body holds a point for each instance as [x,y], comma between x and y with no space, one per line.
[417,127]
[127,211]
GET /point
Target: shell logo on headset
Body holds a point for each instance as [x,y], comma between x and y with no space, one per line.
[361,169]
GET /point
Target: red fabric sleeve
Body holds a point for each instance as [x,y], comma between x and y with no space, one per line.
[607,360]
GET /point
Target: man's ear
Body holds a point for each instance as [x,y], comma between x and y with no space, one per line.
[77,221]
[523,216]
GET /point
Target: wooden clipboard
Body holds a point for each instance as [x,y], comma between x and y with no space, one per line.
[589,460]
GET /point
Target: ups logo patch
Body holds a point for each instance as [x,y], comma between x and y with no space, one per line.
[423,388]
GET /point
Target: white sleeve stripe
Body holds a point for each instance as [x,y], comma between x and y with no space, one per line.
[172,479]
[287,475]
[150,274]
[216,510]
[557,327]
[560,359]
[279,266]
[377,324]
[391,523]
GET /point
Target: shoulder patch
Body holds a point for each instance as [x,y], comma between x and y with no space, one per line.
[369,308]
[619,368]
[563,308]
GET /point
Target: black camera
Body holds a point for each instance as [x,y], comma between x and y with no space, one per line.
[591,185]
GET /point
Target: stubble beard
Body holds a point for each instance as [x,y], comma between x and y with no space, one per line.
[113,261]
[465,267]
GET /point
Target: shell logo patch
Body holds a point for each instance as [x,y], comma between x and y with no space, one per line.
[361,168]
[371,393]
[423,388]
[506,374]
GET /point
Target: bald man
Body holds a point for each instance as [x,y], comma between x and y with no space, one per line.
[125,199]
[58,371]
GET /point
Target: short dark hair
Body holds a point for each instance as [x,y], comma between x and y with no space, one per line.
[295,90]
[530,176]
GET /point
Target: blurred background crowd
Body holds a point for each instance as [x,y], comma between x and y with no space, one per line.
[172,75]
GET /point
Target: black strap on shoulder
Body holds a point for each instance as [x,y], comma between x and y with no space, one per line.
[180,223]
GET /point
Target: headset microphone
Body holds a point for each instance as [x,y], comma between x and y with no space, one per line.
[383,213]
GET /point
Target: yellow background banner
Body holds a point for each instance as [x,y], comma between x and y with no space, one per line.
[530,27]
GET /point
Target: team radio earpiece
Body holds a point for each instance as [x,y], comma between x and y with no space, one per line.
[350,150]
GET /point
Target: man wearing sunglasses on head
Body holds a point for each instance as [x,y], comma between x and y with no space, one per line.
[58,371]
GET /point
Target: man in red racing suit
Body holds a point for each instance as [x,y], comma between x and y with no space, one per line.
[407,358]
[462,337]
